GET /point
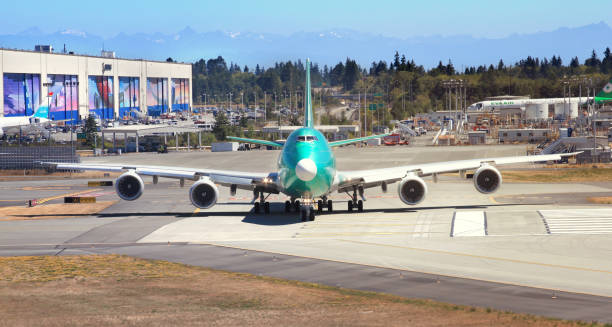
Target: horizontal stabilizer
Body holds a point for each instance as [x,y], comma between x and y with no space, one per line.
[359,139]
[263,142]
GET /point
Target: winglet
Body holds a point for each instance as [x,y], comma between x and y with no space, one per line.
[308,117]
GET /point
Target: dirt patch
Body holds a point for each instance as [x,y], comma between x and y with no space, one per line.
[53,211]
[41,174]
[601,199]
[563,175]
[118,290]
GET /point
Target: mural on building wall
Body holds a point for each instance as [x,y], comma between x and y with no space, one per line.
[101,102]
[21,94]
[129,96]
[180,94]
[63,97]
[157,99]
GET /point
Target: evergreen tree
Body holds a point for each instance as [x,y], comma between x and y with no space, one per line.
[396,61]
[221,127]
[90,129]
[593,61]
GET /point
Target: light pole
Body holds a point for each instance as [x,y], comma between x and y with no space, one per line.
[265,109]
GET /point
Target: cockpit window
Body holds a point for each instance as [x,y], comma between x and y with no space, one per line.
[307,138]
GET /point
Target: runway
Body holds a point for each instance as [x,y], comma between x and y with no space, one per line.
[459,246]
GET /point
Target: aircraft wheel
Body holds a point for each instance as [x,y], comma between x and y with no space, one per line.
[296,205]
[319,206]
[267,207]
[256,207]
[287,206]
[329,205]
[350,206]
[311,216]
[360,206]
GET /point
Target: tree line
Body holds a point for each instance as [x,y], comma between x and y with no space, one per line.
[406,87]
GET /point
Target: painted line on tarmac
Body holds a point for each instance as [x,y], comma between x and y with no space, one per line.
[41,201]
[477,256]
[305,235]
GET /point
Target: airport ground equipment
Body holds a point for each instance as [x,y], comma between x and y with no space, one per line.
[307,173]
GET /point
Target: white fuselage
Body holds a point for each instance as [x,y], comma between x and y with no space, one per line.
[15,123]
[519,103]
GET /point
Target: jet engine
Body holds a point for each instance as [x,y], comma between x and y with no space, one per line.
[487,179]
[412,190]
[129,186]
[204,193]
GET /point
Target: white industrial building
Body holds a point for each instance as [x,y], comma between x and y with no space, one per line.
[76,85]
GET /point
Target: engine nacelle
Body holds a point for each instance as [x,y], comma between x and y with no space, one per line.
[129,186]
[412,190]
[487,179]
[204,193]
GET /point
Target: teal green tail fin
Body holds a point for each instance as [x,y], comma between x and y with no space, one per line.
[605,94]
[42,112]
[308,117]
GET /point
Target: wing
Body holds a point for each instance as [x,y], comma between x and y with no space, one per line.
[264,142]
[359,139]
[375,177]
[242,180]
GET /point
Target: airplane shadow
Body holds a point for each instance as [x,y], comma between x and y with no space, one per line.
[276,217]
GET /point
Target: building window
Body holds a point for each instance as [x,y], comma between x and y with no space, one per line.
[180,94]
[530,134]
[101,101]
[63,97]
[505,134]
[21,94]
[129,96]
[518,135]
[157,98]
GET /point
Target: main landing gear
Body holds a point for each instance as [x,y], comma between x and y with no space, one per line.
[261,204]
[354,203]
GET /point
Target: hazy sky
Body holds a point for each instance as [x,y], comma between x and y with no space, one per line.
[400,18]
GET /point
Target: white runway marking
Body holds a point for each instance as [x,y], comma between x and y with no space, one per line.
[578,221]
[468,223]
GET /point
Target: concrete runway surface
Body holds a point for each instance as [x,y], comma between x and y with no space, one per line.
[533,248]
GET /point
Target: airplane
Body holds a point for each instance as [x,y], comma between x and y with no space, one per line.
[605,95]
[41,116]
[307,173]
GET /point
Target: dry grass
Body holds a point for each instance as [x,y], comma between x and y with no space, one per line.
[558,175]
[53,211]
[114,290]
[601,200]
[41,174]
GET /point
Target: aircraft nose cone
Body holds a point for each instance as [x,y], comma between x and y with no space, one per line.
[306,169]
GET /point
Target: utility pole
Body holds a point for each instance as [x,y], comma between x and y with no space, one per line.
[265,109]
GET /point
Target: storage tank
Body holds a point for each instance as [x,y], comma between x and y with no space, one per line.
[571,110]
[536,111]
[559,110]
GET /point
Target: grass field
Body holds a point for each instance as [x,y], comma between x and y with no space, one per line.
[561,175]
[53,211]
[110,290]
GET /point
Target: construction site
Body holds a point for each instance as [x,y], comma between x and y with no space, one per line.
[550,125]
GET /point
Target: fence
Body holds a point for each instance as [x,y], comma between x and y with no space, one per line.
[28,157]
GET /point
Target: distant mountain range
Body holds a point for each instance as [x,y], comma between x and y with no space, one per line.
[326,47]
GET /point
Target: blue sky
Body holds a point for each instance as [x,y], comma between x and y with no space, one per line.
[387,17]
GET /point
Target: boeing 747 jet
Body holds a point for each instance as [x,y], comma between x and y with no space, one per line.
[307,174]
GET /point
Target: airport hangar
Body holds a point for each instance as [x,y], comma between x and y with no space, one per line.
[108,87]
